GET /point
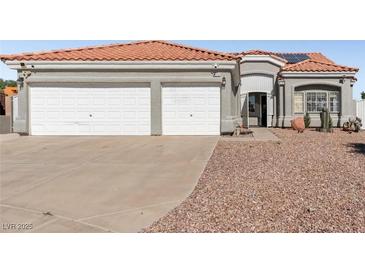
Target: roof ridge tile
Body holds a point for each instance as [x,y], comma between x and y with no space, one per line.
[126,51]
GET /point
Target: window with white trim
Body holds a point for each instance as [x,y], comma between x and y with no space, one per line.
[299,102]
[316,97]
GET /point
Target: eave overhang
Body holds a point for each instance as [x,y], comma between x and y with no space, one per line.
[213,66]
[301,74]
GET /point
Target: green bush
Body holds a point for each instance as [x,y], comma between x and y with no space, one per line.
[363,95]
[307,120]
[7,83]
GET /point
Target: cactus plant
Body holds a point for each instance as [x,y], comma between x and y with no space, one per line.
[326,121]
[307,120]
[353,124]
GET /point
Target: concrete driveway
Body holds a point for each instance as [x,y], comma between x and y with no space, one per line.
[96,184]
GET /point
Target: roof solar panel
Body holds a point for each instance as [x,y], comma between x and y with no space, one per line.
[294,58]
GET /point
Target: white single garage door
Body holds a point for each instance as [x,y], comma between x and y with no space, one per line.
[191,111]
[90,111]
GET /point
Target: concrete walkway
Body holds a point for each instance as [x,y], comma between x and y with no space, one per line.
[96,184]
[258,134]
[264,134]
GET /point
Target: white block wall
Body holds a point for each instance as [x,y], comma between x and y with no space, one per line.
[360,111]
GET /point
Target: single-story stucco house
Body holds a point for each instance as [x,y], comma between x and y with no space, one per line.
[163,88]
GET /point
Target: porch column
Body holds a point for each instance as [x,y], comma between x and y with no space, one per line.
[281,104]
[156,108]
[347,107]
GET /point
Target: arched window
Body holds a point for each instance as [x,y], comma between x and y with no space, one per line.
[313,98]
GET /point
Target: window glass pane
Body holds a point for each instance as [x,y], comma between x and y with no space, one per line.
[299,102]
[311,98]
[334,101]
[316,101]
[252,103]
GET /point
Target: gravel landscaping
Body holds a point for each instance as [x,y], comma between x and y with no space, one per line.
[309,182]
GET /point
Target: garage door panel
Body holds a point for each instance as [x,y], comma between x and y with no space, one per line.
[99,101]
[67,115]
[53,115]
[213,102]
[191,110]
[201,101]
[68,101]
[114,115]
[84,101]
[38,114]
[39,101]
[143,115]
[81,115]
[143,101]
[114,101]
[82,128]
[212,115]
[128,101]
[53,101]
[90,111]
[200,115]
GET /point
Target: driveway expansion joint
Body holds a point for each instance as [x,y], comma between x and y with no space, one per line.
[56,216]
[127,210]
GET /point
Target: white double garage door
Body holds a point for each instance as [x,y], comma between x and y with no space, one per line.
[123,111]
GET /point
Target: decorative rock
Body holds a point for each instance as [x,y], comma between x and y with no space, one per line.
[244,187]
[298,124]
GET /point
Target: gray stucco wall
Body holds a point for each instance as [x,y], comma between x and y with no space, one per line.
[255,67]
[288,87]
[283,93]
[155,79]
[231,115]
[263,68]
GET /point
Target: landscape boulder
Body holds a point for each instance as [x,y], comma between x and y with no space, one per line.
[298,124]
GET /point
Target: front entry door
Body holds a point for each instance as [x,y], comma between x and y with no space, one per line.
[263,113]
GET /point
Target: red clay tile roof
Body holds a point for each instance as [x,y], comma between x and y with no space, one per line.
[10,91]
[136,51]
[262,52]
[317,56]
[167,51]
[317,62]
[311,65]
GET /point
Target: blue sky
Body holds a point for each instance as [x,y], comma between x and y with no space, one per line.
[350,53]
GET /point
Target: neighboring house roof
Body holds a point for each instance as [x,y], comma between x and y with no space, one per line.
[136,51]
[304,61]
[9,91]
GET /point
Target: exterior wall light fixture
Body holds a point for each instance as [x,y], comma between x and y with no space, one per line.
[224,81]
